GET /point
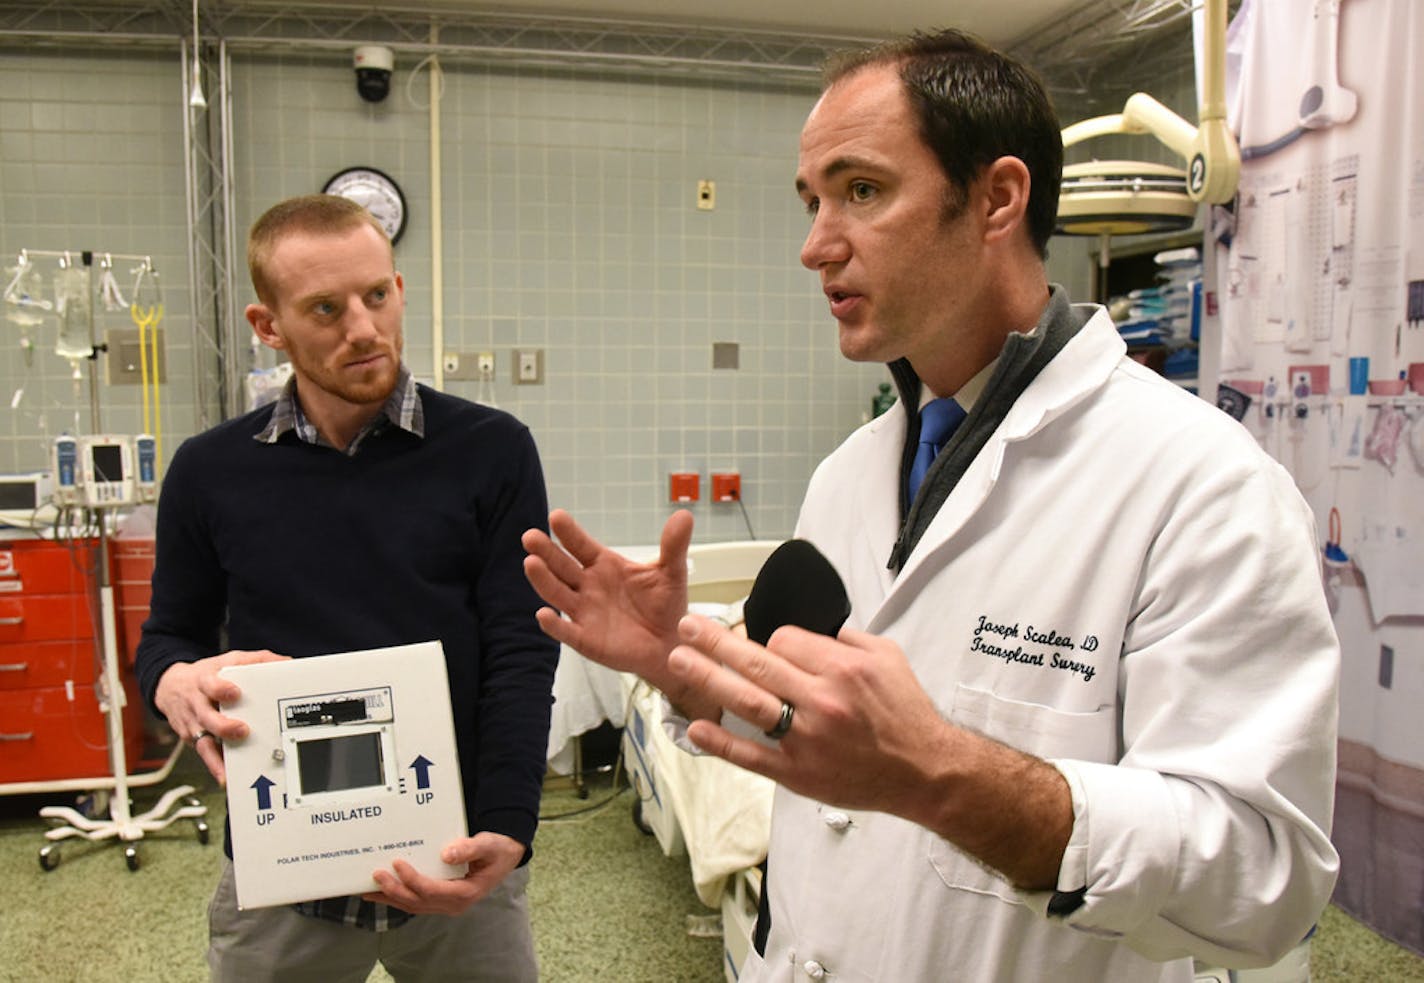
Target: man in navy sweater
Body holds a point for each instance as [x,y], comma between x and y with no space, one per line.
[360,510]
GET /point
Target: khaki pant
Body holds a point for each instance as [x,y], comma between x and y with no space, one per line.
[490,943]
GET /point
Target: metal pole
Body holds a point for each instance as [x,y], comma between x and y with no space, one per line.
[96,424]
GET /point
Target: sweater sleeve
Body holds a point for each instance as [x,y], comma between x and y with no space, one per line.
[518,659]
[189,587]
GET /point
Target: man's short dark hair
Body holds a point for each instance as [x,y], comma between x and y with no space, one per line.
[316,214]
[974,105]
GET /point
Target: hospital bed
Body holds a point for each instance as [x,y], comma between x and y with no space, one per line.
[704,808]
[716,813]
[698,806]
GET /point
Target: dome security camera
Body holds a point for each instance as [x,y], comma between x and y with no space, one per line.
[373,71]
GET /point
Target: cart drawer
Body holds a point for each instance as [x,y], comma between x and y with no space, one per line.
[27,665]
[133,560]
[132,594]
[36,566]
[45,617]
[56,732]
[130,632]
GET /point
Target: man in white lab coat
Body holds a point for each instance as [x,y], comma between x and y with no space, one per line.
[1080,724]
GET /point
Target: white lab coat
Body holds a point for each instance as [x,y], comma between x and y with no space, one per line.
[1123,584]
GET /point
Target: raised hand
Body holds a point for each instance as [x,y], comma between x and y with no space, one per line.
[865,735]
[616,612]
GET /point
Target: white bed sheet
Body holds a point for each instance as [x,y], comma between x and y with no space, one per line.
[723,811]
[585,695]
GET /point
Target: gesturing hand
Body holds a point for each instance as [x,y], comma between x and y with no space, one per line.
[863,733]
[618,613]
[866,735]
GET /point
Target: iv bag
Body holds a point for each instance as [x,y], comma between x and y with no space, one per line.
[24,303]
[75,308]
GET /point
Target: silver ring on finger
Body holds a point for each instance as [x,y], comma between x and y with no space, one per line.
[200,735]
[783,722]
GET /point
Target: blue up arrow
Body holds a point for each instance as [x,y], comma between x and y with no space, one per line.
[264,791]
[422,771]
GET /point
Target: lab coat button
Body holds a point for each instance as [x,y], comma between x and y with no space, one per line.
[814,969]
[836,820]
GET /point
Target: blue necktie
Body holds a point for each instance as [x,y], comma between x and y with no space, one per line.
[938,420]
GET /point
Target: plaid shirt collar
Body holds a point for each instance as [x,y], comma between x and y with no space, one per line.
[403,409]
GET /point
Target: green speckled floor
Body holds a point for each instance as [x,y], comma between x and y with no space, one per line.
[607,905]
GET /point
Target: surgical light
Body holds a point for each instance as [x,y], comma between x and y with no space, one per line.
[1105,198]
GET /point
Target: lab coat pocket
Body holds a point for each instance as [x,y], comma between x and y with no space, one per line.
[1035,729]
[1043,731]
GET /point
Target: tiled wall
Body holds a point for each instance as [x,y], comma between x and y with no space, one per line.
[569,225]
[91,158]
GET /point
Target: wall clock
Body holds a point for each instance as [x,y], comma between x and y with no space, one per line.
[375,190]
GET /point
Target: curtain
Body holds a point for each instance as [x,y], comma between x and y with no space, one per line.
[1320,278]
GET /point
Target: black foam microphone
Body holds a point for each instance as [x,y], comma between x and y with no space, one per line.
[796,586]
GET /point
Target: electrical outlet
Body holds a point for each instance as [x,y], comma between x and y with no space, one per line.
[528,366]
[726,486]
[706,195]
[684,486]
[468,366]
[1300,393]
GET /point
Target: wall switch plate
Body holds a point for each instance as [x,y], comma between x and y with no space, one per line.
[528,366]
[706,195]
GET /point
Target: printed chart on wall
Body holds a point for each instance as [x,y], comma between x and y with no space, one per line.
[1292,280]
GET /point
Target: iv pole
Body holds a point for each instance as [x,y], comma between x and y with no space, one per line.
[121,822]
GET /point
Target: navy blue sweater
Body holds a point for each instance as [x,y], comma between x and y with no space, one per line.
[304,551]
